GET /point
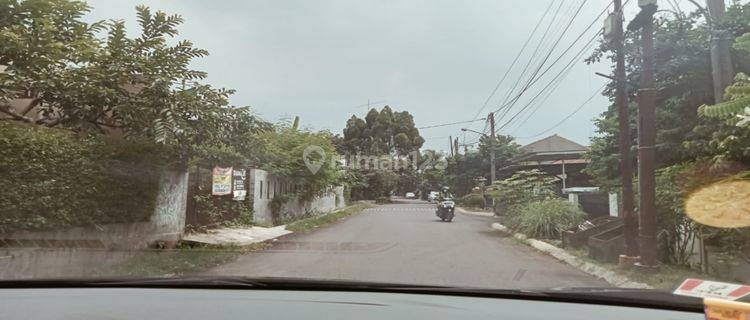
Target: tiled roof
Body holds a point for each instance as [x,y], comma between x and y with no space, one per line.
[553,143]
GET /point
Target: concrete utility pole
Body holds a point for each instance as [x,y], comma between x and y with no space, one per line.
[491,118]
[646,137]
[721,59]
[450,143]
[295,125]
[626,159]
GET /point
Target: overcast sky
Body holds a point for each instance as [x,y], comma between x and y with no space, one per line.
[439,60]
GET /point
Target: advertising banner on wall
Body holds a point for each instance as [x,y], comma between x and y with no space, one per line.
[222,181]
[239,190]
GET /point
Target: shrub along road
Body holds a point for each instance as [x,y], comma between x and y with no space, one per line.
[405,243]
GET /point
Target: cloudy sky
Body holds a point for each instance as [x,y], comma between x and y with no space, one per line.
[440,60]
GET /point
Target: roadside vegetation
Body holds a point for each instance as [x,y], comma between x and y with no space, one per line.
[184,259]
[311,223]
[90,117]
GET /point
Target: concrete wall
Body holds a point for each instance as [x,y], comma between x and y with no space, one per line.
[263,187]
[168,221]
[77,251]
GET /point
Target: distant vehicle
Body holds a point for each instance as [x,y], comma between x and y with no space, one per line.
[433,196]
[411,195]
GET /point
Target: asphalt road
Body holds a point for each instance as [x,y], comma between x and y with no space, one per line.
[407,243]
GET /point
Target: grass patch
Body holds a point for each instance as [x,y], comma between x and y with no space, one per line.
[175,262]
[307,224]
[668,277]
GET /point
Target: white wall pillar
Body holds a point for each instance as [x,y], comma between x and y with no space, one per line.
[614,207]
[573,198]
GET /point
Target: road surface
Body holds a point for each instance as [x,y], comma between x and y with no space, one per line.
[406,243]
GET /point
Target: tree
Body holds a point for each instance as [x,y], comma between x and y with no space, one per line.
[683,76]
[385,134]
[432,176]
[283,154]
[382,132]
[462,170]
[728,122]
[505,147]
[58,73]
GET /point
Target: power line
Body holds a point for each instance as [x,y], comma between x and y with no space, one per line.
[512,64]
[533,78]
[551,84]
[531,58]
[450,124]
[543,100]
[589,44]
[564,73]
[597,92]
[483,132]
[434,138]
[564,70]
[517,97]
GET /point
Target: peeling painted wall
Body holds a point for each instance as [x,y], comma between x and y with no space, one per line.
[263,186]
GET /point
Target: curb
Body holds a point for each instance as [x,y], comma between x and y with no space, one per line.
[590,268]
[475,213]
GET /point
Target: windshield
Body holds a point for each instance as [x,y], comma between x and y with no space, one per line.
[584,144]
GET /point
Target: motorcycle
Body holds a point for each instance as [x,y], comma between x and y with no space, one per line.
[445,210]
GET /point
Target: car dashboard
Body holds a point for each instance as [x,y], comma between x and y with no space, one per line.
[202,304]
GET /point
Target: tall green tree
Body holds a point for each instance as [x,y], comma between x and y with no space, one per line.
[382,132]
[505,148]
[683,77]
[386,134]
[282,151]
[59,73]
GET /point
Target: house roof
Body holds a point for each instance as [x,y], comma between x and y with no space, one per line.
[553,144]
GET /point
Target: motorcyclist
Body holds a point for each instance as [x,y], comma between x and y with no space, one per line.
[444,195]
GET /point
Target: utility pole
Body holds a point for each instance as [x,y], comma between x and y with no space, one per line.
[455,145]
[450,143]
[646,137]
[491,118]
[626,159]
[295,125]
[721,59]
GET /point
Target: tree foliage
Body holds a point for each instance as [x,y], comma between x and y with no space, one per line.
[463,169]
[282,152]
[382,132]
[683,79]
[59,72]
[55,179]
[387,135]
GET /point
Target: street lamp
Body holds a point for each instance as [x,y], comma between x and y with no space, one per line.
[465,129]
[492,152]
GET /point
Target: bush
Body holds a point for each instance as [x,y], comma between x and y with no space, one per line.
[276,204]
[679,229]
[547,219]
[51,178]
[521,188]
[471,200]
[382,200]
